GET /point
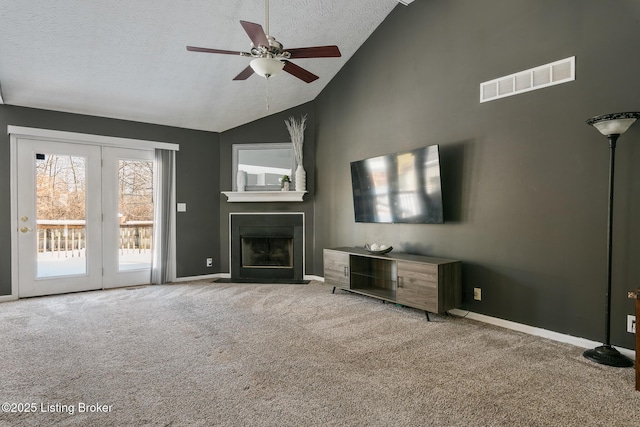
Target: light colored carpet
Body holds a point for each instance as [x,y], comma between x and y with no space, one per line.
[213,354]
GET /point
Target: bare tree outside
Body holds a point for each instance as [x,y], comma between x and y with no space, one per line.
[60,182]
[61,187]
[136,190]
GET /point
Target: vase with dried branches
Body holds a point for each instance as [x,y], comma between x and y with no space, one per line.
[296,131]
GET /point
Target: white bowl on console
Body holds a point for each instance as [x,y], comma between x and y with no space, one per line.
[377,249]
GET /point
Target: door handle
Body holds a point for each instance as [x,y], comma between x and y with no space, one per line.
[25,229]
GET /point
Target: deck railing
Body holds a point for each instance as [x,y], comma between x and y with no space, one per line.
[68,238]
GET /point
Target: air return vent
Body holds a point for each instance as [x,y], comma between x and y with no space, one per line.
[536,78]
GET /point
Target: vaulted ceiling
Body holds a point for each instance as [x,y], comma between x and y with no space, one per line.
[127,59]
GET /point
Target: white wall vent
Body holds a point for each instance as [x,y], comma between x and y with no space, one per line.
[536,78]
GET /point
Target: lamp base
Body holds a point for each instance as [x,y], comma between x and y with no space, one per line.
[607,355]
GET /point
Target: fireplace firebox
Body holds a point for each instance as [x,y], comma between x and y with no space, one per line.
[267,252]
[267,247]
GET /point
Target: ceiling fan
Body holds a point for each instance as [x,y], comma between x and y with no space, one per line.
[270,56]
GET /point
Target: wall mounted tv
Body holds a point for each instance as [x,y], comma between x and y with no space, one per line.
[399,188]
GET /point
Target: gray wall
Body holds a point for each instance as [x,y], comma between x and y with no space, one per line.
[269,129]
[524,178]
[196,171]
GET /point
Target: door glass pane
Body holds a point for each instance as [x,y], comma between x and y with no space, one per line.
[135,212]
[61,215]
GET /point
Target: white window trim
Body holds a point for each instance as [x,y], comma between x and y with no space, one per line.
[86,138]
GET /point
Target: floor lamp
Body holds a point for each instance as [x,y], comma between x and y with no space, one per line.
[611,126]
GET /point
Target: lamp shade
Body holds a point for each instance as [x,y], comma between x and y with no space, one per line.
[613,124]
[266,67]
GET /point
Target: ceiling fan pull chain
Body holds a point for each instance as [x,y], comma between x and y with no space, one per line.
[267,95]
[266,15]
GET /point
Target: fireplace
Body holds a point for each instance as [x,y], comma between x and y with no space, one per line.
[267,252]
[267,247]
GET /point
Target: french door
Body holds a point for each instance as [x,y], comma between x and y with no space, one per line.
[85,217]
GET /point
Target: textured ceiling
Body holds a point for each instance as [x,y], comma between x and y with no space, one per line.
[127,59]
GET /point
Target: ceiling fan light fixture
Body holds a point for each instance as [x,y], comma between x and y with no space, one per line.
[266,67]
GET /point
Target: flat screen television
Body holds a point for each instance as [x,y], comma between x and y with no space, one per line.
[399,188]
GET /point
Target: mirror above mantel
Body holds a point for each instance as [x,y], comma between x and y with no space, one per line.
[263,165]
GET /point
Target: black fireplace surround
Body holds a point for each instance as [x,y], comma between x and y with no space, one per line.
[267,247]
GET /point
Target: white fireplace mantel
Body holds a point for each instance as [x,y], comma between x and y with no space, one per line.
[264,196]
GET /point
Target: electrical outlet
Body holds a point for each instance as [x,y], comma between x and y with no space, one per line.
[477,294]
[631,324]
[209,262]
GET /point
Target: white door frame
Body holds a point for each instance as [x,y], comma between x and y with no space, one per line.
[18,132]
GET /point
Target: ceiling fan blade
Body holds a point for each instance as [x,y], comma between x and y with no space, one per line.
[244,74]
[299,72]
[315,52]
[207,50]
[255,33]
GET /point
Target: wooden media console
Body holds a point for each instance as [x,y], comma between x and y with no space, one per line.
[422,282]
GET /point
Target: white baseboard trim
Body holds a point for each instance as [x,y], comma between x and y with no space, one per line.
[206,276]
[7,298]
[228,276]
[531,330]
